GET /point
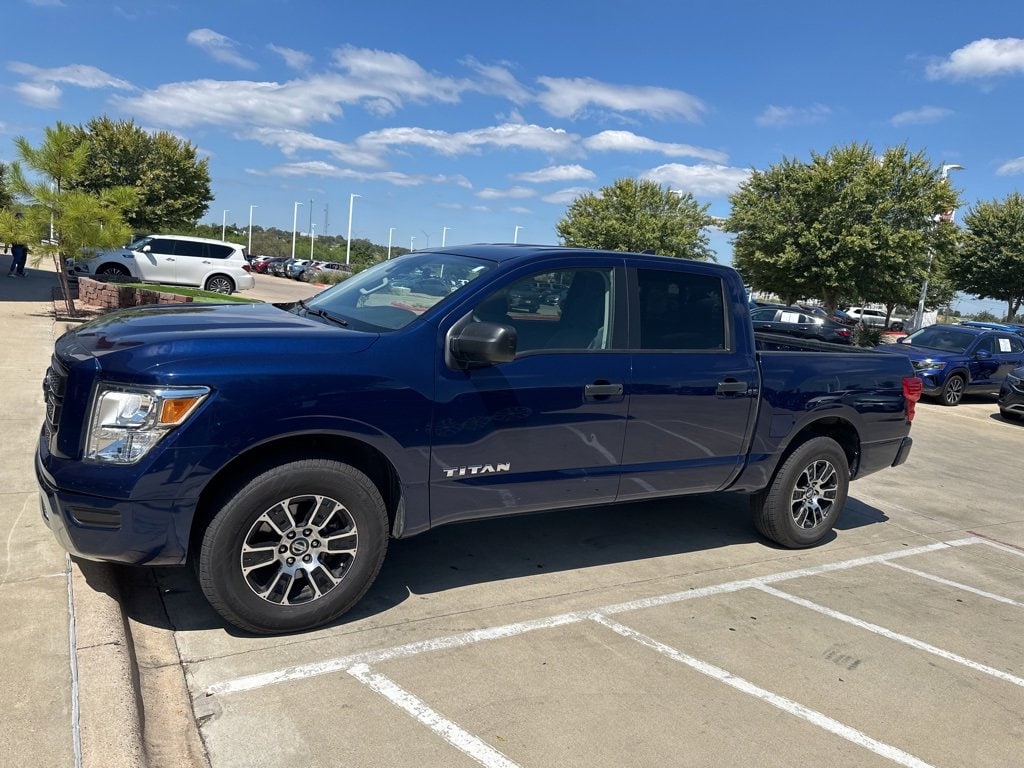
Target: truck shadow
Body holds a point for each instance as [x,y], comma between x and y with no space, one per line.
[508,548]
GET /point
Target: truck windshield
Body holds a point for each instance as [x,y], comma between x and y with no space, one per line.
[392,294]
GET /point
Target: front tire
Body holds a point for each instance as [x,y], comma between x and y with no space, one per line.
[113,270]
[953,391]
[805,498]
[220,284]
[294,547]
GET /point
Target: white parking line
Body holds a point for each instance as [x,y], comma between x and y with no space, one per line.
[479,750]
[341,664]
[956,584]
[787,705]
[888,633]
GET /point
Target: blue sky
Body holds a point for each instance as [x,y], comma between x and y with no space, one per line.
[465,120]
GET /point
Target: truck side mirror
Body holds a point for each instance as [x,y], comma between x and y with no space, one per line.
[486,343]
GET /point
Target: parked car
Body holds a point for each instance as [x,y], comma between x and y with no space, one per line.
[319,268]
[837,316]
[296,269]
[954,360]
[874,317]
[1011,395]
[262,264]
[794,321]
[280,269]
[395,413]
[213,265]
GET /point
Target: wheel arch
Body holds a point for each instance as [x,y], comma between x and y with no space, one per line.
[360,455]
[839,429]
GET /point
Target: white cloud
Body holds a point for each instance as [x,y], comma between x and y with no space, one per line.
[292,58]
[778,117]
[565,196]
[498,80]
[556,173]
[47,3]
[507,136]
[519,209]
[1011,168]
[982,58]
[319,168]
[512,192]
[290,141]
[627,141]
[219,47]
[81,75]
[393,77]
[42,95]
[920,116]
[700,180]
[568,98]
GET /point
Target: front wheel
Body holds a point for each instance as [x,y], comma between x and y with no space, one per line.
[294,547]
[953,390]
[806,496]
[220,284]
[113,270]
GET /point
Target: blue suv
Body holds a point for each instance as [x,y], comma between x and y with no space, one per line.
[954,360]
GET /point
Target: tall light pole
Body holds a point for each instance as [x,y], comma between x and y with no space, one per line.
[919,318]
[223,224]
[515,234]
[348,240]
[412,243]
[312,239]
[295,225]
[250,228]
[391,231]
[444,235]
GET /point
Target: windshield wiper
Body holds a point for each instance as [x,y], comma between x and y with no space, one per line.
[323,313]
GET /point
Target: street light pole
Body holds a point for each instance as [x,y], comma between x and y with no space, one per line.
[412,243]
[223,223]
[250,228]
[515,234]
[348,240]
[444,235]
[391,231]
[295,225]
[919,318]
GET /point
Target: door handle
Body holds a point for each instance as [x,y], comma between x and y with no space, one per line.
[731,387]
[602,389]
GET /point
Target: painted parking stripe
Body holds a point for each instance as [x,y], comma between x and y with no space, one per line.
[314,669]
[888,633]
[459,738]
[956,584]
[786,705]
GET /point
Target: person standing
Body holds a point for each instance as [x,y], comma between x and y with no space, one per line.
[19,254]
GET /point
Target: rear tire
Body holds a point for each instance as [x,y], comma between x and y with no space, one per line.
[805,498]
[294,547]
[220,284]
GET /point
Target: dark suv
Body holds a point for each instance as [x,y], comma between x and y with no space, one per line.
[954,360]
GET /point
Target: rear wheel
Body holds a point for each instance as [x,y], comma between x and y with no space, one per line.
[220,284]
[953,390]
[806,496]
[294,547]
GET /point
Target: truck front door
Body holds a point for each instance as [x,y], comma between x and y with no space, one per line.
[693,390]
[546,429]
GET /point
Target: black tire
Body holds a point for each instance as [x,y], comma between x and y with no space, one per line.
[114,270]
[220,284]
[324,512]
[805,498]
[952,390]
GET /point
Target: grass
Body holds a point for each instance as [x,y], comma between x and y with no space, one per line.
[197,295]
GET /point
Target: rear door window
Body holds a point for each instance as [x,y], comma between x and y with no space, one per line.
[190,248]
[680,310]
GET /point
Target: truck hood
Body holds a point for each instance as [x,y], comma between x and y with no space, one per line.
[141,337]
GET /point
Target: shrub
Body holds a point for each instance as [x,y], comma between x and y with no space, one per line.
[867,335]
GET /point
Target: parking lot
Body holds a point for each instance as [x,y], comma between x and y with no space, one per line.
[662,633]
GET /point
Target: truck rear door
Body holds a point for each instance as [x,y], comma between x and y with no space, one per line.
[544,430]
[694,382]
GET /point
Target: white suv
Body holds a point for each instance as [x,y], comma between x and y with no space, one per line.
[214,265]
[874,317]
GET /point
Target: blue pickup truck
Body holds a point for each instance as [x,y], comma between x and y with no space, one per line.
[280,447]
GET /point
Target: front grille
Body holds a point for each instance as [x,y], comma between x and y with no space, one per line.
[54,384]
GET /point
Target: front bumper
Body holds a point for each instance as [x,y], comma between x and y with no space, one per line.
[115,530]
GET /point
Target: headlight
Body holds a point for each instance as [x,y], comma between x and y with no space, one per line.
[921,365]
[126,422]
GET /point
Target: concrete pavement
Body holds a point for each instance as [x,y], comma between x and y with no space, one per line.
[66,662]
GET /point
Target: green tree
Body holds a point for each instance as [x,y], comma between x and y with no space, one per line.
[64,222]
[990,263]
[845,227]
[636,216]
[172,183]
[6,200]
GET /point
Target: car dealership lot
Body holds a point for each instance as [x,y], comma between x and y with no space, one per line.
[656,634]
